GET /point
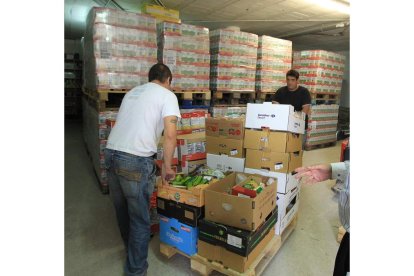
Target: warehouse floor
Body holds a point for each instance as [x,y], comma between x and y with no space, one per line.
[93,245]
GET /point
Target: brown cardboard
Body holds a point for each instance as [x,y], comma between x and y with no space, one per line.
[273,161]
[275,141]
[220,145]
[240,212]
[231,128]
[189,166]
[232,260]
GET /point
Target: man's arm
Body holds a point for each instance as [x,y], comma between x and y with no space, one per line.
[306,102]
[276,97]
[306,109]
[170,142]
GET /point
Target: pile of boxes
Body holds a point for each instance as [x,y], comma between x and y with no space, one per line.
[192,120]
[233,60]
[274,59]
[320,71]
[119,49]
[185,50]
[322,124]
[273,143]
[95,134]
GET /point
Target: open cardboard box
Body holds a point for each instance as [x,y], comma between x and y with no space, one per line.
[288,206]
[275,141]
[225,163]
[189,166]
[285,181]
[273,161]
[184,213]
[240,212]
[281,117]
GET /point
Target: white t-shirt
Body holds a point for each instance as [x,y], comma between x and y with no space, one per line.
[140,120]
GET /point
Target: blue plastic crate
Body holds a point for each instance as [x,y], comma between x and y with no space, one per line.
[179,235]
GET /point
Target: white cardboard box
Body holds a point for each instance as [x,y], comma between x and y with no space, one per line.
[285,181]
[281,117]
[288,206]
[225,163]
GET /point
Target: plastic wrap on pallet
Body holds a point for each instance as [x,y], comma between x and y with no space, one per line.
[234,37]
[320,55]
[268,42]
[232,84]
[244,73]
[175,58]
[121,18]
[233,61]
[189,83]
[106,49]
[228,111]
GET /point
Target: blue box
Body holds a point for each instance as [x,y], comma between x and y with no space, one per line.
[179,235]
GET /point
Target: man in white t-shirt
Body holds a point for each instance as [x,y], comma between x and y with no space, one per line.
[146,111]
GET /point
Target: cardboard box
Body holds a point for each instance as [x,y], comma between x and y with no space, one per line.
[189,166]
[285,181]
[191,146]
[276,141]
[184,213]
[240,212]
[230,147]
[273,161]
[179,235]
[225,163]
[288,206]
[241,242]
[279,117]
[194,196]
[232,260]
[231,128]
[160,153]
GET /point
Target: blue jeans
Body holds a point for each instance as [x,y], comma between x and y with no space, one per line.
[131,181]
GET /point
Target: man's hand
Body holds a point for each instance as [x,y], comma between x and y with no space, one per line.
[314,174]
[168,173]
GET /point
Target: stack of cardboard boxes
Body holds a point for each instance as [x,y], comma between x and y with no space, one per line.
[237,227]
[274,59]
[119,48]
[233,60]
[322,124]
[185,50]
[273,142]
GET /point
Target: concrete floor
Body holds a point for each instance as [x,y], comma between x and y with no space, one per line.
[93,245]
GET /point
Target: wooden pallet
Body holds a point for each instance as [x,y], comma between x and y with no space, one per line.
[325,98]
[233,98]
[169,251]
[205,266]
[265,96]
[341,233]
[320,146]
[192,95]
[104,105]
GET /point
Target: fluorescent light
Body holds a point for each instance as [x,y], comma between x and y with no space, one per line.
[332,5]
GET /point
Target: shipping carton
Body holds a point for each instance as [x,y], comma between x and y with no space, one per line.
[276,141]
[273,161]
[189,166]
[232,260]
[241,242]
[184,213]
[178,235]
[288,206]
[285,181]
[191,146]
[220,145]
[231,128]
[225,163]
[240,212]
[279,117]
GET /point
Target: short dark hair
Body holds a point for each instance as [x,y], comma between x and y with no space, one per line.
[159,72]
[292,73]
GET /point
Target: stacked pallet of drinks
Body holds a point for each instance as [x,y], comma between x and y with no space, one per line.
[321,72]
[185,50]
[119,49]
[322,126]
[73,86]
[274,59]
[233,67]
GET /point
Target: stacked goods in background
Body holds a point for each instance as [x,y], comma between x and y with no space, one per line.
[185,50]
[322,125]
[119,49]
[274,59]
[95,135]
[233,66]
[239,220]
[321,72]
[227,111]
[73,85]
[161,13]
[273,143]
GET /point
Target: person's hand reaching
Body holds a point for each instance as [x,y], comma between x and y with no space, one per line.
[314,174]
